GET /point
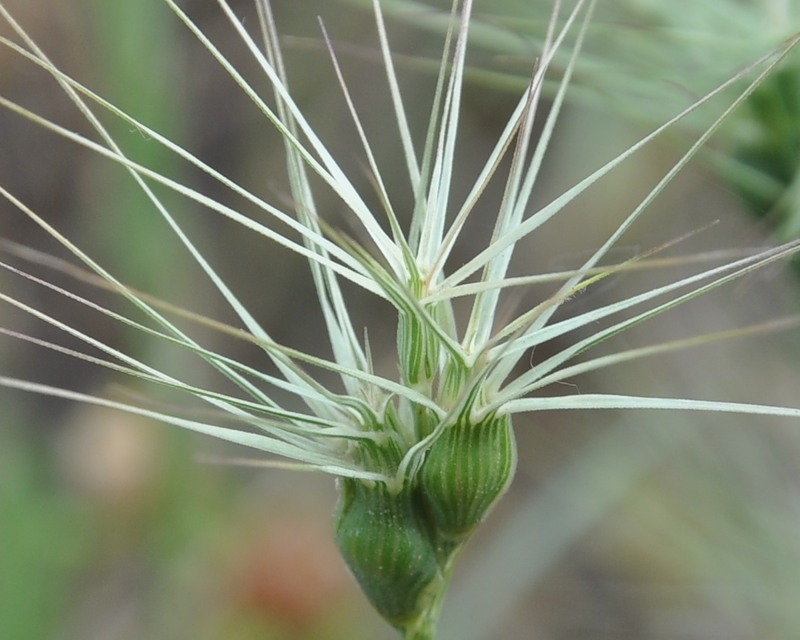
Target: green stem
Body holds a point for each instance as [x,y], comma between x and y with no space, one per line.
[426,630]
[424,626]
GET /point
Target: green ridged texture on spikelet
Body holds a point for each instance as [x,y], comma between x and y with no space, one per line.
[388,548]
[400,545]
[467,470]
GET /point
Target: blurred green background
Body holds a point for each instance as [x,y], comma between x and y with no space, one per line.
[619,525]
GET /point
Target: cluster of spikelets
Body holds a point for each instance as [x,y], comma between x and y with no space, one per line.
[421,459]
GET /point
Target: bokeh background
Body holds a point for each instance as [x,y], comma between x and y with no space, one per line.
[619,524]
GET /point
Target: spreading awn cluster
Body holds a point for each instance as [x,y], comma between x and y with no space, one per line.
[423,457]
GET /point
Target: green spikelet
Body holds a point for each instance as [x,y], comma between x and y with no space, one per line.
[418,349]
[467,470]
[388,548]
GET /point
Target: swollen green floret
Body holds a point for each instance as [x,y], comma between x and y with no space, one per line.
[388,547]
[466,471]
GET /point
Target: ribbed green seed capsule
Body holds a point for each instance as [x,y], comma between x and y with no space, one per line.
[388,548]
[466,471]
[418,350]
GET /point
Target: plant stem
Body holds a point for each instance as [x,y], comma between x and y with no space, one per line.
[424,626]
